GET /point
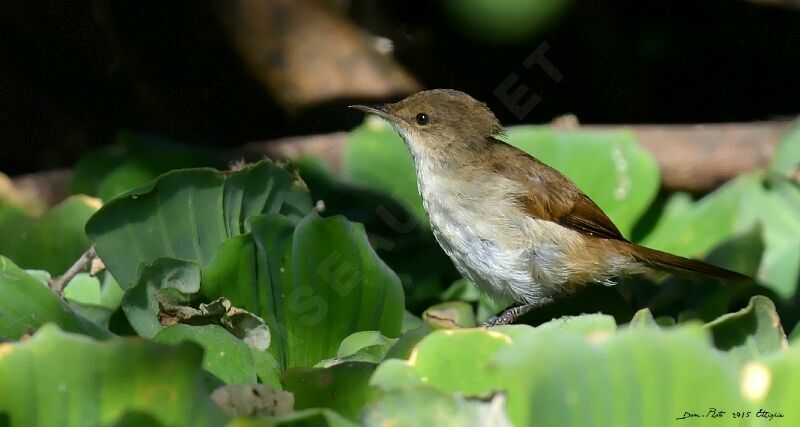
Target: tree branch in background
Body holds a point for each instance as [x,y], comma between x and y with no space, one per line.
[304,53]
[699,158]
[58,284]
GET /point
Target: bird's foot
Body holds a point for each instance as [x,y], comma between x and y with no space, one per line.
[509,315]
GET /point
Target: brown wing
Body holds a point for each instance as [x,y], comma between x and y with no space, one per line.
[552,196]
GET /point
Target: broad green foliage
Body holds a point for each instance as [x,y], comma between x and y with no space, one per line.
[62,379]
[186,214]
[750,332]
[318,282]
[136,159]
[427,406]
[367,322]
[52,242]
[92,299]
[166,278]
[344,388]
[243,243]
[26,304]
[224,355]
[693,229]
[304,418]
[787,158]
[362,346]
[772,385]
[661,374]
[377,158]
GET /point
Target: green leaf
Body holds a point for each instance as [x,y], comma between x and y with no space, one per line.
[408,248]
[426,406]
[450,314]
[125,177]
[751,332]
[321,272]
[375,157]
[141,302]
[267,368]
[771,386]
[362,346]
[712,220]
[459,371]
[589,324]
[304,418]
[62,379]
[361,340]
[670,217]
[52,242]
[787,157]
[134,160]
[795,333]
[225,356]
[464,290]
[85,289]
[232,273]
[26,304]
[344,388]
[780,216]
[735,209]
[405,344]
[643,319]
[662,373]
[90,299]
[186,214]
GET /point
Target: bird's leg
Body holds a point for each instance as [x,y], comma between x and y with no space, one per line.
[511,314]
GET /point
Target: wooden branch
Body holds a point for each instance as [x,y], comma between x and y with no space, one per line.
[304,53]
[698,158]
[58,284]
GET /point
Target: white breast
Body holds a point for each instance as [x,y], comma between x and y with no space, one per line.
[510,257]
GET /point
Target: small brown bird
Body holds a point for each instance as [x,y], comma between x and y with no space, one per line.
[517,228]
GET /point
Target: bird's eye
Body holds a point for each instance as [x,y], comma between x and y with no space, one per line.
[422,119]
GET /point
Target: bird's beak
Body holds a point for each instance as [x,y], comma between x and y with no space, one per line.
[378,110]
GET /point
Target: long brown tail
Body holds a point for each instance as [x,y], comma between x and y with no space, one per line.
[682,266]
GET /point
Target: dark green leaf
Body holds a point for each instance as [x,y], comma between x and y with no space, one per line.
[141,302]
[26,304]
[324,272]
[427,406]
[225,356]
[61,379]
[344,388]
[185,214]
[751,332]
[52,242]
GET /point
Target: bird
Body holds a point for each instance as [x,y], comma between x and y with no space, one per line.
[517,228]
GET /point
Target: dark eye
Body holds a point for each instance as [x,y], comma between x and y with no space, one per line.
[422,119]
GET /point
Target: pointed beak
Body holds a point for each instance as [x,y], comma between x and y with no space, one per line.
[378,110]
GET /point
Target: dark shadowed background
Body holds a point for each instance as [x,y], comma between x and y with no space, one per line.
[73,73]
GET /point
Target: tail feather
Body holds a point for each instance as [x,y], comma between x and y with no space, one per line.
[683,266]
